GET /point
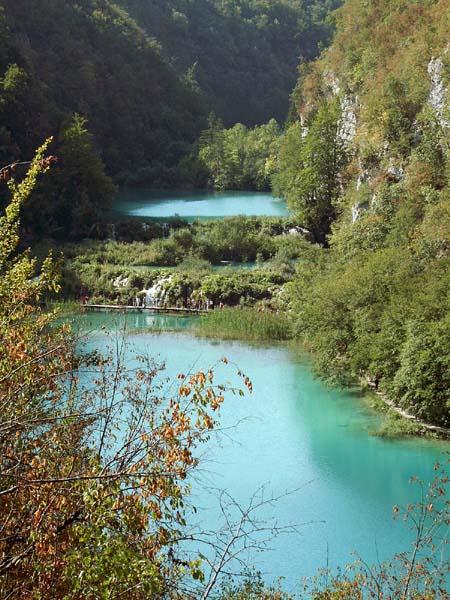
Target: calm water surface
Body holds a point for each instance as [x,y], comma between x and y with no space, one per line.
[198,205]
[293,433]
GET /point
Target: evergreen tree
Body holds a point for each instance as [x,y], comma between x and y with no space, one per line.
[76,193]
[211,152]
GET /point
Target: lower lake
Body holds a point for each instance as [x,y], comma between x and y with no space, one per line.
[295,435]
[146,204]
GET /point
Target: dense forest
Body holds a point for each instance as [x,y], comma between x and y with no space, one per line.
[139,89]
[364,165]
[91,58]
[371,150]
[243,55]
[95,459]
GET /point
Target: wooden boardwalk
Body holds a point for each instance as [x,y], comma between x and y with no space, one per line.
[155,309]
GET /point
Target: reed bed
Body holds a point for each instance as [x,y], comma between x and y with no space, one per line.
[245,324]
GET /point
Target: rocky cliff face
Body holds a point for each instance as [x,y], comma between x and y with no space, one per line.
[376,305]
[439,92]
[388,166]
[392,80]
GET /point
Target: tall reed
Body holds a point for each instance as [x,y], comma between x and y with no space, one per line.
[245,324]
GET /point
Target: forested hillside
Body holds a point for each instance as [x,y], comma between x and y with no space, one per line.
[93,58]
[99,450]
[366,166]
[141,88]
[86,74]
[243,54]
[60,58]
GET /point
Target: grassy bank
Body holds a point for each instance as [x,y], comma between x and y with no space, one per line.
[245,324]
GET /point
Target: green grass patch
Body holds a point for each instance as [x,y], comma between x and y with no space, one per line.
[245,324]
[395,426]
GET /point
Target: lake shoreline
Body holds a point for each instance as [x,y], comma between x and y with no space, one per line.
[222,330]
[174,267]
[318,434]
[423,428]
[192,205]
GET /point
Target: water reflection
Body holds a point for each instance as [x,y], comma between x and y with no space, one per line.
[295,433]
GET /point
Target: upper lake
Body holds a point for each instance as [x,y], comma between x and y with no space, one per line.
[196,205]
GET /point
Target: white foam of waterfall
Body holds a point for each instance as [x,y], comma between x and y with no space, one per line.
[155,294]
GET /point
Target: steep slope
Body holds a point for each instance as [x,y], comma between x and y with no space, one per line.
[376,304]
[90,57]
[242,54]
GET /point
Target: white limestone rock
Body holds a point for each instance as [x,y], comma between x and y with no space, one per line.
[349,120]
[121,282]
[357,210]
[438,97]
[396,171]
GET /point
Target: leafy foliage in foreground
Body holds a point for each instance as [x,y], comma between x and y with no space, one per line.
[94,464]
[94,459]
[420,573]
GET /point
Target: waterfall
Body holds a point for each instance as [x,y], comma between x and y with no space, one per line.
[156,293]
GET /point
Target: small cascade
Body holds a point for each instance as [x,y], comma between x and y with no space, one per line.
[155,294]
[121,282]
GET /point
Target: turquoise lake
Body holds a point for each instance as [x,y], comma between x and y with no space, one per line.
[292,433]
[196,205]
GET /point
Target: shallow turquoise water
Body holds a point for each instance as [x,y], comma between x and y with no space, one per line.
[294,433]
[198,205]
[97,323]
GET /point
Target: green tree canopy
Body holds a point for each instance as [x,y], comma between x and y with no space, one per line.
[76,193]
[310,161]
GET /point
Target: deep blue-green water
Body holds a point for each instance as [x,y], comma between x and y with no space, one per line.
[196,205]
[292,433]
